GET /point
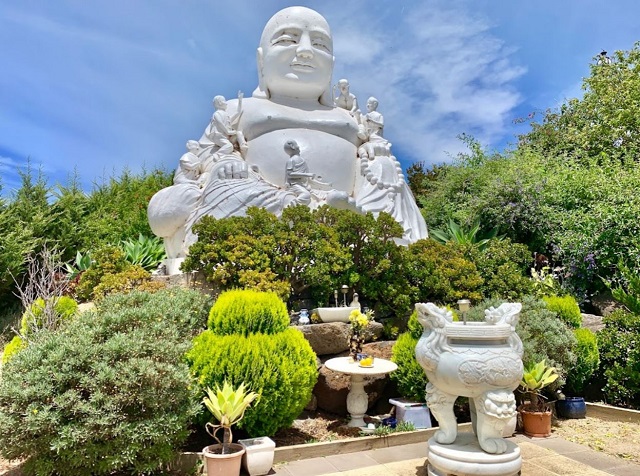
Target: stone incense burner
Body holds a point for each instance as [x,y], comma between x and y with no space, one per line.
[479,360]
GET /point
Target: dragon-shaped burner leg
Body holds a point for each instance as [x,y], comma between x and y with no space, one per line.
[494,409]
[441,405]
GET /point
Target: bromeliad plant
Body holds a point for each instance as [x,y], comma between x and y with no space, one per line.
[227,405]
[536,377]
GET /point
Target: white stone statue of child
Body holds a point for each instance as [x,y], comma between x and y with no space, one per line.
[222,128]
[373,121]
[191,168]
[347,100]
[297,174]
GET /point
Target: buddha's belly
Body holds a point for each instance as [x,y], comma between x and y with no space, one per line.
[330,157]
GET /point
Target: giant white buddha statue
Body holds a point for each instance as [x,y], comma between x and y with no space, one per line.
[350,165]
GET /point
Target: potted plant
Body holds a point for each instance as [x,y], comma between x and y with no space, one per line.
[536,414]
[227,405]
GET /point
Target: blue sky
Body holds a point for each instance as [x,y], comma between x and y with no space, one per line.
[94,86]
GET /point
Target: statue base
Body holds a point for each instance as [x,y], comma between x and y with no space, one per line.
[173,265]
[464,457]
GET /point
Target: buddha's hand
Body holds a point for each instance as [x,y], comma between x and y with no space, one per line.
[234,170]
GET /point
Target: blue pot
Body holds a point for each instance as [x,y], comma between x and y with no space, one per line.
[571,407]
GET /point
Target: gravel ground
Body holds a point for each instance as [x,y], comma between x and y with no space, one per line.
[620,439]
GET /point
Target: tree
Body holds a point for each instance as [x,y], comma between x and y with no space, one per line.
[293,256]
[606,121]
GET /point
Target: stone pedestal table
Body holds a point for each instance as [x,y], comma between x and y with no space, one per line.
[357,400]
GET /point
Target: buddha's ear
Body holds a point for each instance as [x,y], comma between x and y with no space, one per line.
[326,98]
[261,90]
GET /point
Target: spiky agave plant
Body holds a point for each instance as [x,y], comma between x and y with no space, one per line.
[227,405]
[536,377]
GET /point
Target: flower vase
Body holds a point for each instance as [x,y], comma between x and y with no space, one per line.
[355,346]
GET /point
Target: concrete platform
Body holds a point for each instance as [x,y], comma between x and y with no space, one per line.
[551,456]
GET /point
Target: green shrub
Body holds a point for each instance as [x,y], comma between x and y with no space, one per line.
[110,273]
[620,359]
[504,267]
[185,308]
[248,312]
[567,309]
[587,361]
[409,376]
[294,255]
[108,393]
[13,347]
[414,327]
[440,273]
[280,367]
[626,290]
[543,335]
[107,260]
[38,317]
[125,281]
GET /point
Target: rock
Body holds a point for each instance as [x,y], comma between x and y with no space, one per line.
[332,338]
[593,322]
[327,339]
[604,304]
[380,349]
[331,391]
[375,330]
[86,306]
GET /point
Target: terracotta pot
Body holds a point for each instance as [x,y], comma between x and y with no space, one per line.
[537,424]
[223,465]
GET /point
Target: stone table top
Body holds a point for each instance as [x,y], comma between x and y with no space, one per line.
[347,366]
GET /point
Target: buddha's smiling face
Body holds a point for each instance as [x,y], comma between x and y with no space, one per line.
[295,57]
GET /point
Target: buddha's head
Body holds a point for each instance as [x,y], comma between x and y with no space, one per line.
[295,57]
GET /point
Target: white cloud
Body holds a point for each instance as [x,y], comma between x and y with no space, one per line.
[438,73]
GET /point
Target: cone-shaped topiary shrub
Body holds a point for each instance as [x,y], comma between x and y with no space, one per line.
[567,309]
[244,311]
[280,367]
[409,376]
[108,393]
[587,362]
[249,341]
